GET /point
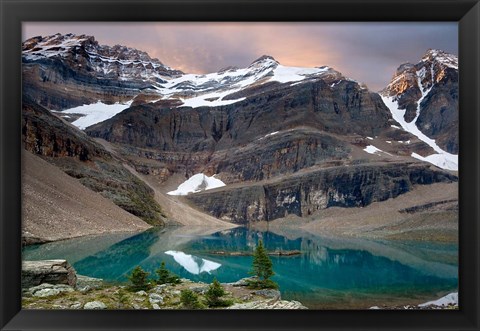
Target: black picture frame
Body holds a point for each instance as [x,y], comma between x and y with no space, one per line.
[13,12]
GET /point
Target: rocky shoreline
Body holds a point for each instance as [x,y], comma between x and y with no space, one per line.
[53,284]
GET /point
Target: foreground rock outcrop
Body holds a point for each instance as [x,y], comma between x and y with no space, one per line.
[35,273]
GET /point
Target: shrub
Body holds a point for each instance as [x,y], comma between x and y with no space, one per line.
[139,279]
[166,276]
[214,295]
[189,299]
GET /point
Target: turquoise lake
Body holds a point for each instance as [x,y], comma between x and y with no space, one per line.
[330,273]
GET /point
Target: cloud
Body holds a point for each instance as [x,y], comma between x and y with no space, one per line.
[367,52]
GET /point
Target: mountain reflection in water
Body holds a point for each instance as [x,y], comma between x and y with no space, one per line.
[328,272]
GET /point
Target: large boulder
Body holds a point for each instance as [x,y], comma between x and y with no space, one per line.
[46,290]
[95,305]
[35,273]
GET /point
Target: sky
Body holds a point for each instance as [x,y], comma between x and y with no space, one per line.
[367,52]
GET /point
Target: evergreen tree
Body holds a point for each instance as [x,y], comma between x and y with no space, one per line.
[139,279]
[262,267]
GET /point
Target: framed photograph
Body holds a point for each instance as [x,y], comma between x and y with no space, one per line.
[240,165]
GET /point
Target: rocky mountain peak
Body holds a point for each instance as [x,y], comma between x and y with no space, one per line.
[264,61]
[416,79]
[441,57]
[424,97]
[56,45]
[265,58]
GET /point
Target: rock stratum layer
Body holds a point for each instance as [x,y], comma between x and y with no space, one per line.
[305,194]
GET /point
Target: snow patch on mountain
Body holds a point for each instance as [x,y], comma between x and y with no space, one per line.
[96,112]
[374,150]
[271,134]
[197,183]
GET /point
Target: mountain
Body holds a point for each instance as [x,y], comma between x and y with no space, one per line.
[63,71]
[424,96]
[284,140]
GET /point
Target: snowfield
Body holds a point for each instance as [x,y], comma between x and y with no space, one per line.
[210,89]
[197,183]
[96,112]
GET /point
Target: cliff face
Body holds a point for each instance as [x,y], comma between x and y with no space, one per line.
[279,154]
[307,193]
[47,135]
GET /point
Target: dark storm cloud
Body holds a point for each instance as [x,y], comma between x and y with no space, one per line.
[367,52]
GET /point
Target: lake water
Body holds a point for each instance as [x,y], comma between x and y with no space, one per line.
[330,273]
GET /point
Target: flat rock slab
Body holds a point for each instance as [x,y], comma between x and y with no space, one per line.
[53,272]
[269,304]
